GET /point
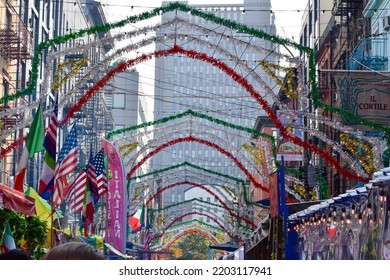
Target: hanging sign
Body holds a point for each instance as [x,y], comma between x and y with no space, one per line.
[116,198]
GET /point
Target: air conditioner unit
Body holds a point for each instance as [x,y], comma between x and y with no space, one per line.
[386,23]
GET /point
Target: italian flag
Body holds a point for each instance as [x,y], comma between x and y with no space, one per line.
[34,144]
[88,209]
[8,242]
[135,222]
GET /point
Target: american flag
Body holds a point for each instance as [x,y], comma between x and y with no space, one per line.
[96,175]
[75,195]
[67,163]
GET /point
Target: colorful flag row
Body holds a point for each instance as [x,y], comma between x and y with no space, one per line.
[89,184]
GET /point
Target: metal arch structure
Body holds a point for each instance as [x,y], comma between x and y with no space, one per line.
[179,131]
[171,214]
[211,178]
[190,166]
[175,233]
[201,141]
[233,226]
[192,223]
[161,217]
[212,211]
[223,204]
[178,177]
[232,179]
[221,192]
[207,190]
[135,201]
[239,154]
[180,217]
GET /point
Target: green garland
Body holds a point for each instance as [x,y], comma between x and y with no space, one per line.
[196,221]
[184,202]
[293,171]
[190,112]
[323,188]
[158,171]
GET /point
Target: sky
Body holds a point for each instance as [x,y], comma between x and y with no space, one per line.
[288,19]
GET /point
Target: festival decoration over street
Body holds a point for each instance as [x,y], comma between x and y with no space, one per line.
[119,191]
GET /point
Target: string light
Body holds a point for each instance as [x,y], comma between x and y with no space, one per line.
[382,196]
[368,208]
[349,219]
[360,218]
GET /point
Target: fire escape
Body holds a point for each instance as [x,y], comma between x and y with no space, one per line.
[16,46]
[349,14]
[15,39]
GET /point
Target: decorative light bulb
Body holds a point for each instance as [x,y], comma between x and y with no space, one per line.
[382,196]
[348,221]
[329,218]
[369,208]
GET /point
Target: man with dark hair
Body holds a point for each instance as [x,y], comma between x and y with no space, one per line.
[14,254]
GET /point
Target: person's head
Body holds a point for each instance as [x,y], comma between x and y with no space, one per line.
[73,251]
[14,254]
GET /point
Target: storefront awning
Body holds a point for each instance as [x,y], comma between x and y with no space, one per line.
[17,201]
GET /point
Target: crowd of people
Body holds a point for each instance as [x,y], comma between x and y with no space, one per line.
[67,251]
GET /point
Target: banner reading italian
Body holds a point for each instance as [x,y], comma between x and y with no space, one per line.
[116,198]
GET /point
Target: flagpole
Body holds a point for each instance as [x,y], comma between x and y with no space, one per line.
[52,221]
[74,214]
[55,94]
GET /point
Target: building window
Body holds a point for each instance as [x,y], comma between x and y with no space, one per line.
[118,101]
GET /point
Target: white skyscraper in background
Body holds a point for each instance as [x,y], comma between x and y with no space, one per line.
[183,83]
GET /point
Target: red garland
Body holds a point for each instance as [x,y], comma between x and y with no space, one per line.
[187,232]
[201,141]
[231,213]
[178,219]
[12,146]
[236,77]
